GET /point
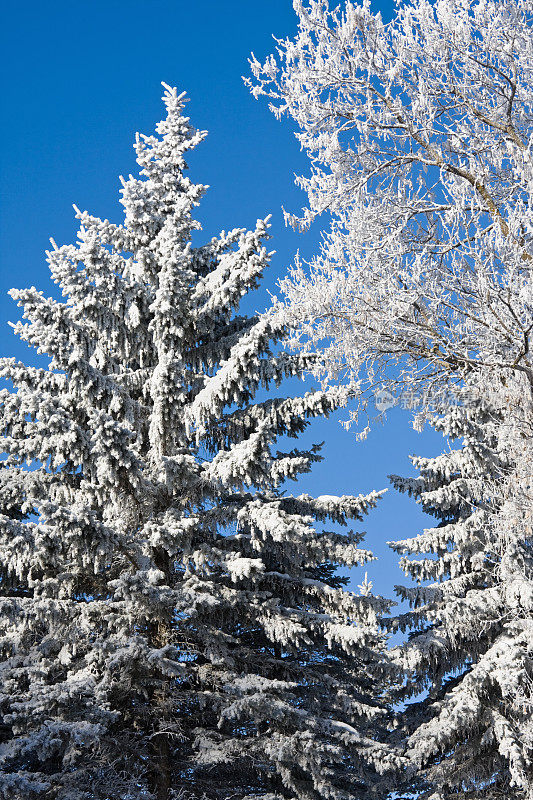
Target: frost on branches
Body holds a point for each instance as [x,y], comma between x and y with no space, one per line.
[420,136]
[172,624]
[471,623]
[419,132]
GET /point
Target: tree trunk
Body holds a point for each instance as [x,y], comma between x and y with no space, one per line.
[161,770]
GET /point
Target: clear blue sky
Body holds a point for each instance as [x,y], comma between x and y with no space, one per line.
[78,80]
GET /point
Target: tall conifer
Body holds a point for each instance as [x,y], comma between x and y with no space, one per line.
[171,621]
[470,648]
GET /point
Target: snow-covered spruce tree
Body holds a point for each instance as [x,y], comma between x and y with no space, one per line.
[172,624]
[471,624]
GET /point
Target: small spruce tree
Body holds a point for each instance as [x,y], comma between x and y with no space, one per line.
[172,621]
[470,646]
